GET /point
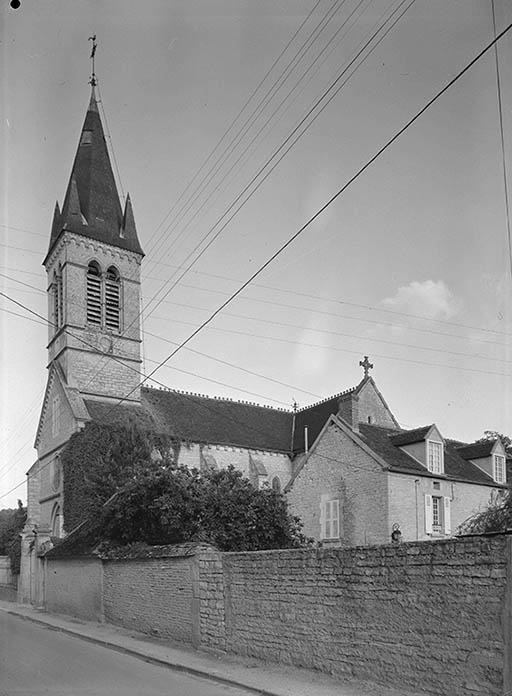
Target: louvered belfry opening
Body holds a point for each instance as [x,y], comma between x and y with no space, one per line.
[58,303]
[94,294]
[112,299]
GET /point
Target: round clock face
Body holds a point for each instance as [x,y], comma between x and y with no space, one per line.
[105,344]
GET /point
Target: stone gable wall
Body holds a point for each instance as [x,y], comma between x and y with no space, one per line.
[339,469]
[370,405]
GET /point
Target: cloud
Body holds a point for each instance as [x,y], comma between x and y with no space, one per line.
[430,299]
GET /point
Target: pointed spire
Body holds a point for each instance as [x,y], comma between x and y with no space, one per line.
[128,229]
[56,225]
[91,206]
[71,213]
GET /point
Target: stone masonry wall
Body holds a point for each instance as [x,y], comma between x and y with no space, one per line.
[426,616]
[151,595]
[74,587]
[341,470]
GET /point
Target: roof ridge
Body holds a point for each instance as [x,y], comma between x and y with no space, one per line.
[226,399]
[327,398]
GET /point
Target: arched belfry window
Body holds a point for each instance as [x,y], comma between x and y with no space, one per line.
[103,301]
[93,300]
[112,299]
[58,302]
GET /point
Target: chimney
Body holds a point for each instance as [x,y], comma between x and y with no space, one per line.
[348,410]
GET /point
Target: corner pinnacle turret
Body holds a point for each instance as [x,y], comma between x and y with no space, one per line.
[91,205]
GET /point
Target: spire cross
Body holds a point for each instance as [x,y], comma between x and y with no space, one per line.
[366,365]
[92,81]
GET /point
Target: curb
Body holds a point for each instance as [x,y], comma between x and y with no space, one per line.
[177,667]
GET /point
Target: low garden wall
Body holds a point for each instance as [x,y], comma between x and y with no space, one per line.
[430,616]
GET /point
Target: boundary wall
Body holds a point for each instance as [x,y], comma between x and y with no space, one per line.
[433,616]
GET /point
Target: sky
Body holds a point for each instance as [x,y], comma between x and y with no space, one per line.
[410,265]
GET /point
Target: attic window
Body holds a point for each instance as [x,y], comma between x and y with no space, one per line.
[435,457]
[498,469]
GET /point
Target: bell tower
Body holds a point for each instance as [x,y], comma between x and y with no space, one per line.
[93,268]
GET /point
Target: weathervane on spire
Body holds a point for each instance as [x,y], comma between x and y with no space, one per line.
[92,81]
[366,365]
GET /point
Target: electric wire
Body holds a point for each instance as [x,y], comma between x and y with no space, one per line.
[333,198]
[334,86]
[502,141]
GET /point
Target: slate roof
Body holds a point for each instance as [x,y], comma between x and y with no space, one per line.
[477,450]
[409,437]
[197,418]
[314,417]
[91,205]
[383,441]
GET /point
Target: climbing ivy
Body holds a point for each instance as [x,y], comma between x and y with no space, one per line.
[98,460]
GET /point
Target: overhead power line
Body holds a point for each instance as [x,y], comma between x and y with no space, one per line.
[330,201]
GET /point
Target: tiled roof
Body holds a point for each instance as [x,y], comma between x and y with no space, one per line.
[197,418]
[477,450]
[383,441]
[91,205]
[314,417]
[408,437]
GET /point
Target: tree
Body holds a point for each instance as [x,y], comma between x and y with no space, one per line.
[11,525]
[497,516]
[173,504]
[495,435]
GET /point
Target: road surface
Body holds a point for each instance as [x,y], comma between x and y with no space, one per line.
[35,660]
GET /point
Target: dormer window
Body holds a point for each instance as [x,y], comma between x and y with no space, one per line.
[498,469]
[435,463]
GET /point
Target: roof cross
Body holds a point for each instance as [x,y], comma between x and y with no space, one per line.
[92,81]
[366,365]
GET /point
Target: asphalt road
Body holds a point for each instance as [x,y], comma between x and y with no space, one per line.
[35,660]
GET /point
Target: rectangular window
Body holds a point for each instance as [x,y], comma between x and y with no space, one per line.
[499,468]
[437,514]
[331,520]
[435,457]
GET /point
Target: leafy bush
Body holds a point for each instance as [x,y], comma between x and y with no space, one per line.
[173,504]
[11,525]
[497,517]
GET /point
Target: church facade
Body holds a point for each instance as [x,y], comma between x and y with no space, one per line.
[349,471]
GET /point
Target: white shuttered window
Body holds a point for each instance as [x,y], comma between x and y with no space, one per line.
[331,515]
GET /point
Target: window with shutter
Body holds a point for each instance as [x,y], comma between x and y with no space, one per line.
[112,299]
[93,300]
[331,526]
[428,514]
[447,516]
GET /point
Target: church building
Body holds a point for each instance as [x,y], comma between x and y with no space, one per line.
[350,472]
